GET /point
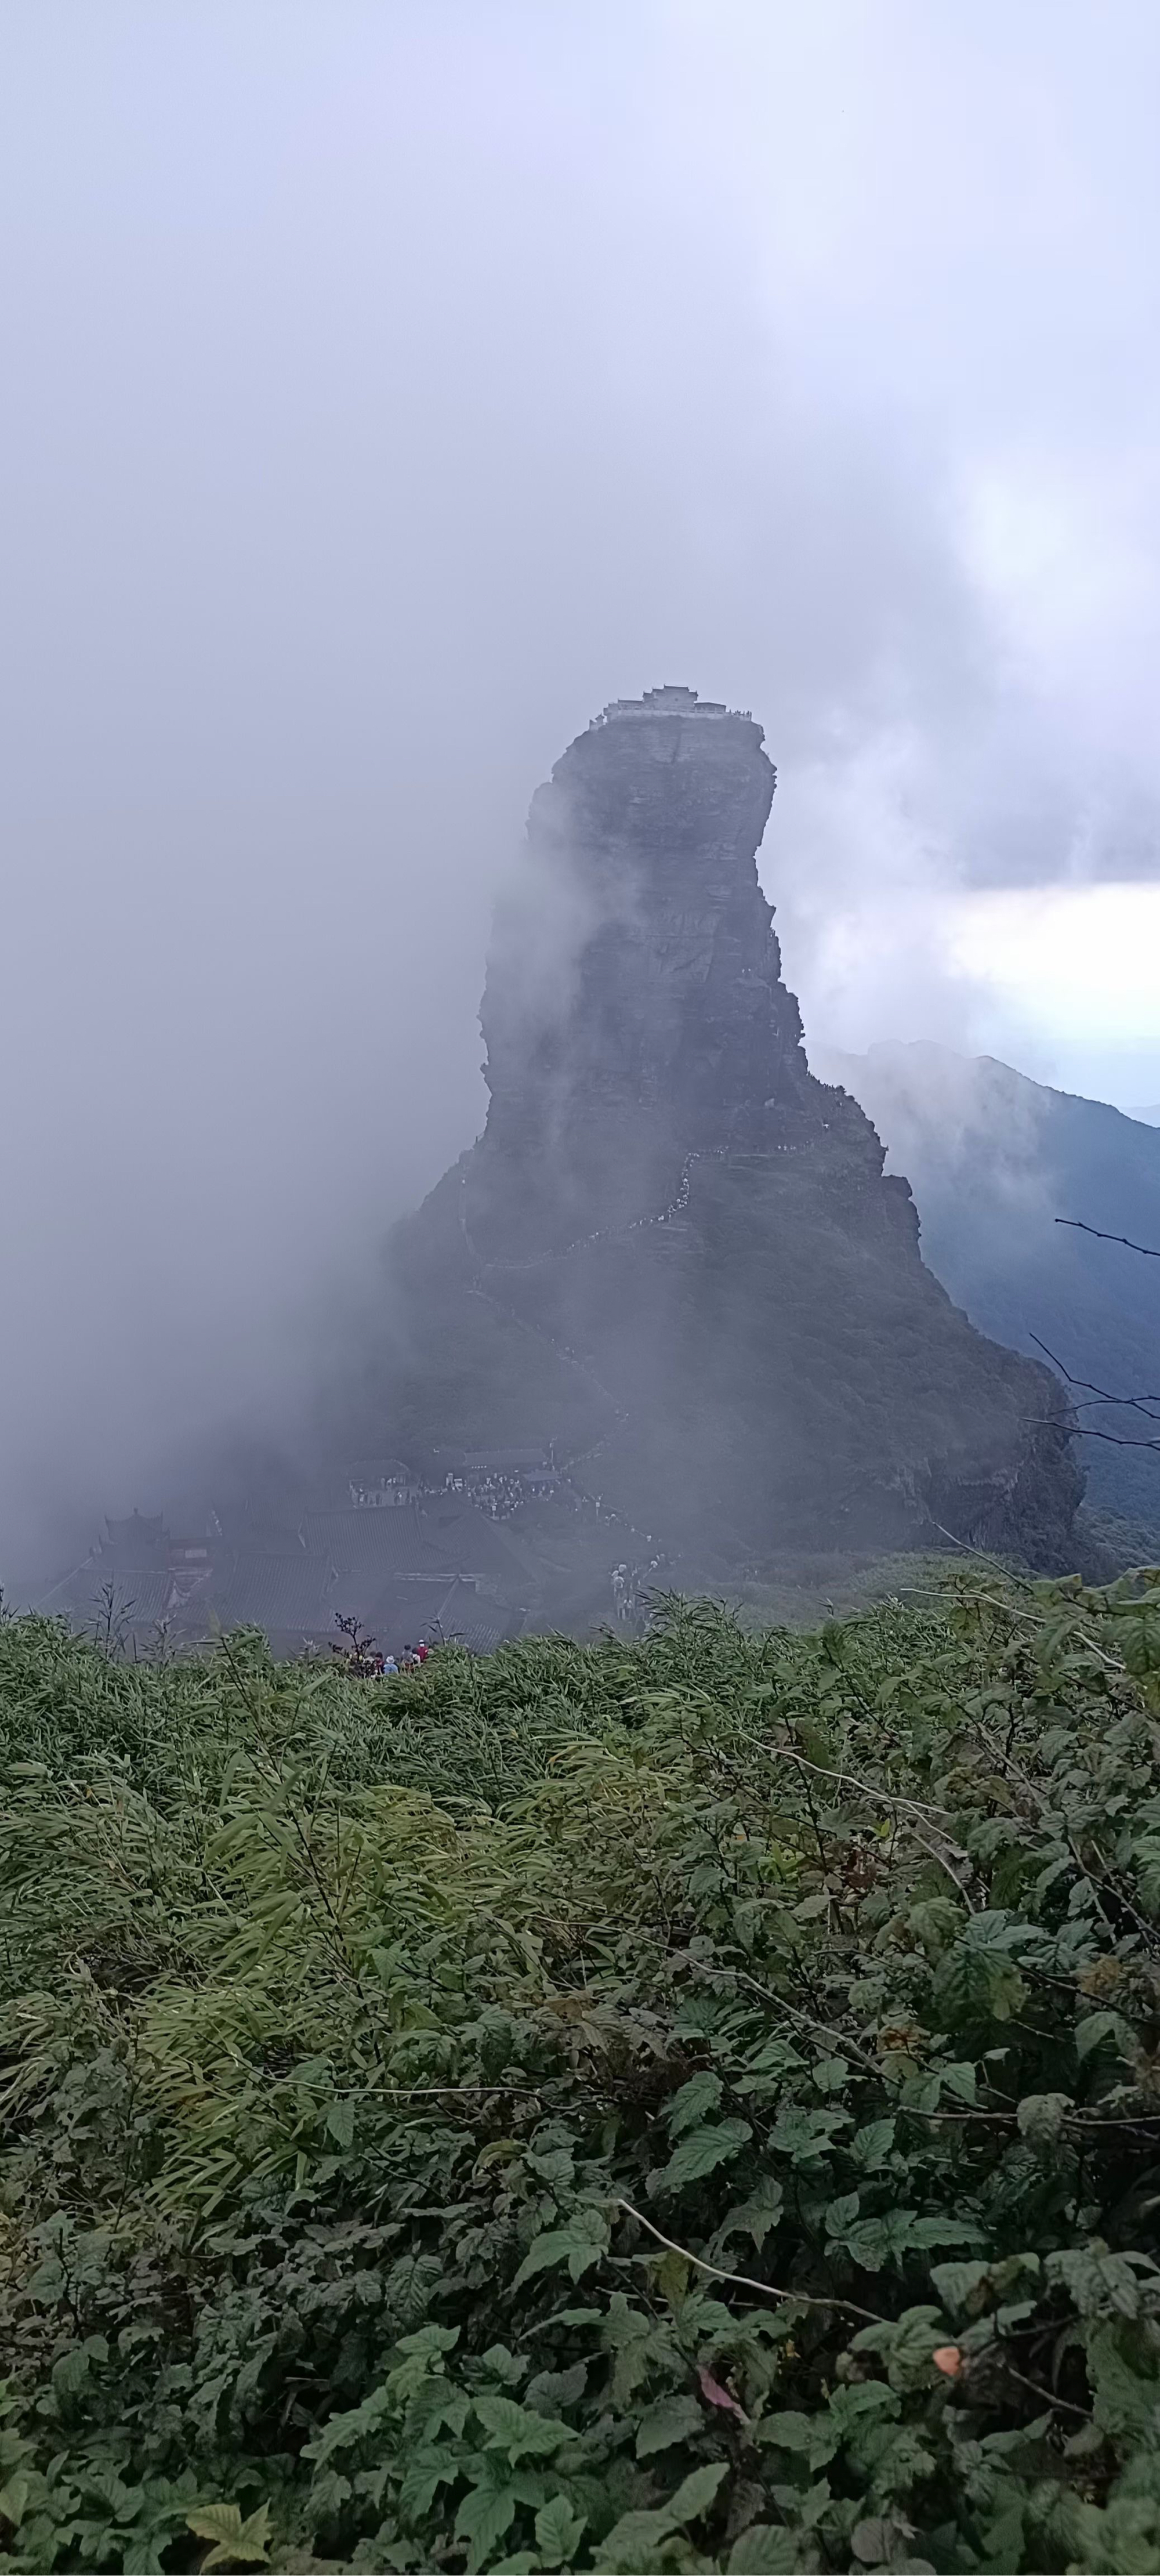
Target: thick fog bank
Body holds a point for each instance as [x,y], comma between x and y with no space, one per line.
[388,389]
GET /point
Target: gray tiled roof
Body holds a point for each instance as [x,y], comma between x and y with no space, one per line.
[140,1595]
[382,1543]
[285,1595]
[469,1619]
[472,1543]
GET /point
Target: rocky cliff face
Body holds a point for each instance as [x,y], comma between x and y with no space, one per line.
[672,1260]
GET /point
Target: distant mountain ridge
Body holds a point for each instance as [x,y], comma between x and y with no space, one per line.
[994,1159]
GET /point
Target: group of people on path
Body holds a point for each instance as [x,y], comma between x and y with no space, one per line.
[370,1663]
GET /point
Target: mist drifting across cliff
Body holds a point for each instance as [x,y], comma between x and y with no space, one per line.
[389,387]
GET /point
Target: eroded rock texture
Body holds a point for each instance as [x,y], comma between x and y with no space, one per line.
[672,1259]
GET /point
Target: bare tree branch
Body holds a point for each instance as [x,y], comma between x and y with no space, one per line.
[1099,1394]
[1149,1251]
[1088,1431]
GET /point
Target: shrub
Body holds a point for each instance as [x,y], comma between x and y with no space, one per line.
[684,2104]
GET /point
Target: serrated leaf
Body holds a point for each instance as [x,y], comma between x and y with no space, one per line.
[791,2431]
[978,1980]
[763,2550]
[426,2471]
[702,2093]
[142,2554]
[1095,2027]
[340,2122]
[933,2230]
[517,2430]
[13,2498]
[935,1921]
[870,2146]
[701,2152]
[959,2284]
[428,2342]
[70,2372]
[234,2539]
[1041,2116]
[558,2531]
[483,2518]
[696,2492]
[757,2215]
[669,2419]
[631,2540]
[580,2244]
[872,2540]
[410,2286]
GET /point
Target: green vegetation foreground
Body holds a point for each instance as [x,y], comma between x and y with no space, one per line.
[691,2104]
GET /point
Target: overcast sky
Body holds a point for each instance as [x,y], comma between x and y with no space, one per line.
[387,386]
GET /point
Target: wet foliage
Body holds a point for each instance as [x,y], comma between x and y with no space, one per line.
[686,2104]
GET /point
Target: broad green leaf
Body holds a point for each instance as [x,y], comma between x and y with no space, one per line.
[696,2492]
[579,2244]
[1102,2283]
[426,2471]
[428,2342]
[978,1980]
[517,2430]
[806,2136]
[1126,2390]
[483,2518]
[873,2540]
[933,2230]
[871,2146]
[935,1920]
[243,2542]
[700,2152]
[756,2215]
[70,2372]
[764,2550]
[962,2285]
[410,2286]
[628,2545]
[558,2532]
[13,2498]
[669,2419]
[814,2436]
[702,2093]
[340,2122]
[1097,2026]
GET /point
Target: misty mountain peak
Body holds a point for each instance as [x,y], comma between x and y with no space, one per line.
[635,1008]
[672,1263]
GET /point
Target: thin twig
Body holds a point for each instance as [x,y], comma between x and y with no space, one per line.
[878,1797]
[1091,1431]
[1102,1394]
[1046,2394]
[1148,1250]
[744,2280]
[944,1863]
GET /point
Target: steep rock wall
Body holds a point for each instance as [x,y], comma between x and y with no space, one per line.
[672,1257]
